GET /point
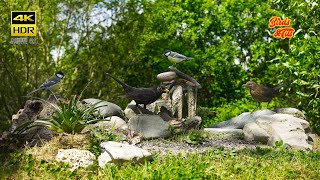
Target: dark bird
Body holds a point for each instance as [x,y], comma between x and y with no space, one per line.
[54,80]
[141,95]
[262,93]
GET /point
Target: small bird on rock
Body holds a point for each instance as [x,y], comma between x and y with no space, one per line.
[262,93]
[175,57]
[141,95]
[54,80]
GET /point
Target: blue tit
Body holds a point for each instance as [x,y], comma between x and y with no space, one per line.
[175,57]
[54,80]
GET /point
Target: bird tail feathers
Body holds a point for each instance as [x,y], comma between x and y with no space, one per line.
[124,85]
[34,91]
[282,85]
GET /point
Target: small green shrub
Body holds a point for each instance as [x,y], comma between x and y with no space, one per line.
[99,135]
[227,111]
[71,116]
[195,137]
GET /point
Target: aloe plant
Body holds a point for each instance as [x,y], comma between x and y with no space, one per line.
[71,116]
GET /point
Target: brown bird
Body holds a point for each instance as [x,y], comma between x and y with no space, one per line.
[141,95]
[262,93]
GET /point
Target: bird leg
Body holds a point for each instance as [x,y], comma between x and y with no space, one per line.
[138,107]
[256,106]
[53,95]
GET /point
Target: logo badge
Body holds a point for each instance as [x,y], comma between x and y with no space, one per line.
[23,23]
[284,31]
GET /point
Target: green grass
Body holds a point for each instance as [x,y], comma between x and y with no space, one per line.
[275,163]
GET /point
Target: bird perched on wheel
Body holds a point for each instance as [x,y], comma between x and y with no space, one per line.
[54,80]
[143,96]
[262,93]
[175,57]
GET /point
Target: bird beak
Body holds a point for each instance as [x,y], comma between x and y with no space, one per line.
[166,90]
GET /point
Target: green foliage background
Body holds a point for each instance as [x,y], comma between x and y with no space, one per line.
[127,38]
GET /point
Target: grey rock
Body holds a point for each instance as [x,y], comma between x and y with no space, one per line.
[105,109]
[75,157]
[135,140]
[33,110]
[166,76]
[240,121]
[191,123]
[292,111]
[149,126]
[28,113]
[118,153]
[278,127]
[226,133]
[165,114]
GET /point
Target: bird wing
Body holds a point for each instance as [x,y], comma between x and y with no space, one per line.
[142,95]
[48,84]
[268,92]
[282,85]
[177,55]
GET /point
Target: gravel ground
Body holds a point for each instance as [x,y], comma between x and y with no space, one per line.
[162,146]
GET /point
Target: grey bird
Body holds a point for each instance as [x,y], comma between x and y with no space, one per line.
[175,57]
[54,80]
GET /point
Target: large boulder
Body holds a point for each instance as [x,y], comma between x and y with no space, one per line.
[292,111]
[106,109]
[240,121]
[118,153]
[149,126]
[269,129]
[76,158]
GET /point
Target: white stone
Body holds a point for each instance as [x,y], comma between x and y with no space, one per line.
[278,127]
[75,157]
[166,76]
[115,152]
[252,132]
[129,112]
[116,122]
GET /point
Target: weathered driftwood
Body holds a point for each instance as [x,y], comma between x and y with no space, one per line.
[185,76]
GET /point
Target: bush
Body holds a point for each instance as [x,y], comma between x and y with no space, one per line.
[228,111]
